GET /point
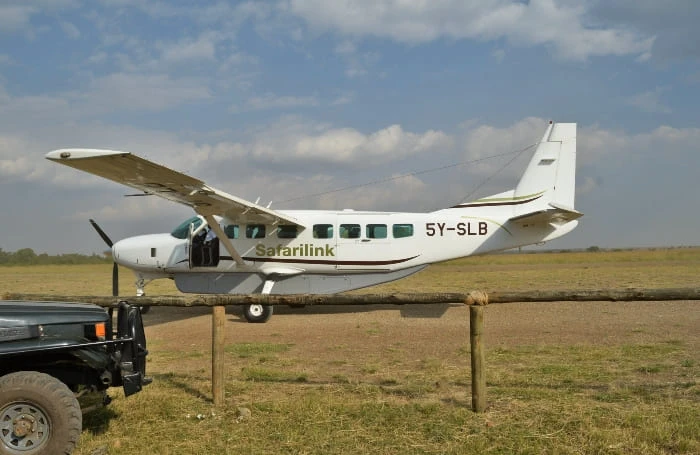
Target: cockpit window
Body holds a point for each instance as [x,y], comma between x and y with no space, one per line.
[183,230]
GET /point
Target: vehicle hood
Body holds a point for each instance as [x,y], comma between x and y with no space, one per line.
[14,313]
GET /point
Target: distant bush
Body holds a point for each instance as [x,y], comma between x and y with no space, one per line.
[593,249]
[27,256]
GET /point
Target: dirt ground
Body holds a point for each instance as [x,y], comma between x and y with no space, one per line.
[423,331]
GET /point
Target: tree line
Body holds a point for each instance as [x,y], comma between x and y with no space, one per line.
[27,256]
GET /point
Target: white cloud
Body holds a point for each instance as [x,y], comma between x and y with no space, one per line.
[484,140]
[129,209]
[70,30]
[112,93]
[187,49]
[272,101]
[558,25]
[15,17]
[345,98]
[17,14]
[150,92]
[650,101]
[345,146]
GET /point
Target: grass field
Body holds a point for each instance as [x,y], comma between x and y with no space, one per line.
[569,378]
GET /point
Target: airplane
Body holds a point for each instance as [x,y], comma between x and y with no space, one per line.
[233,246]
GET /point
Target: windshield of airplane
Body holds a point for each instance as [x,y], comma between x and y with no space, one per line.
[183,230]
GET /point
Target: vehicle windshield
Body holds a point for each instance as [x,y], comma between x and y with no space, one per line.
[183,229]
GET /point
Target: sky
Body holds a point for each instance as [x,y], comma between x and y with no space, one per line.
[289,100]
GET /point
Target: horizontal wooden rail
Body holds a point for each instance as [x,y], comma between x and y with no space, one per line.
[629,295]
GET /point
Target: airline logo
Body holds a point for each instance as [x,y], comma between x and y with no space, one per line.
[304,250]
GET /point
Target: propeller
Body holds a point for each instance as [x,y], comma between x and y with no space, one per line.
[115,268]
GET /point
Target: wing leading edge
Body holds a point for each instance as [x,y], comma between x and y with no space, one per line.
[152,178]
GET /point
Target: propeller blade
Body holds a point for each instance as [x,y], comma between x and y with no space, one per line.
[104,236]
[115,280]
[115,267]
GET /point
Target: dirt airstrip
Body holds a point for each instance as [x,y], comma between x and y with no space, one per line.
[322,334]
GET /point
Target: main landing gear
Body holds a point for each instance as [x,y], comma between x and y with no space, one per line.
[258,313]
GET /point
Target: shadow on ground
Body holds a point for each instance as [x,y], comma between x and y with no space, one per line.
[163,315]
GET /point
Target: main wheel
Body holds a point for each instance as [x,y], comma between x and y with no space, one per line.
[39,415]
[257,313]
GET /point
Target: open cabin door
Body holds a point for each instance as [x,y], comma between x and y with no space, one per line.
[202,250]
[190,236]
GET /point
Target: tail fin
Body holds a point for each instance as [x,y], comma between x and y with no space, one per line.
[551,173]
[549,180]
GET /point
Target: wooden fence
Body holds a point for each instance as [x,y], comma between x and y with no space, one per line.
[476,300]
[629,295]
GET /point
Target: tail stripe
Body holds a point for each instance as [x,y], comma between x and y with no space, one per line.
[495,202]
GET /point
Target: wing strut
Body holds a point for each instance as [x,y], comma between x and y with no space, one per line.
[223,238]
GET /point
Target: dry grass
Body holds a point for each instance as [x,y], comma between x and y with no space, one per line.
[569,378]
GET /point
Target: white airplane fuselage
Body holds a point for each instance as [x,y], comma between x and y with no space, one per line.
[357,242]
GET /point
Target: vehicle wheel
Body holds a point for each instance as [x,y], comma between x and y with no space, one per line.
[38,415]
[257,313]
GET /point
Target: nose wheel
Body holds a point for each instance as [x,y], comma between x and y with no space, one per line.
[140,291]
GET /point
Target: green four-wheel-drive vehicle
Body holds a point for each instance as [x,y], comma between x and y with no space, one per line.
[53,353]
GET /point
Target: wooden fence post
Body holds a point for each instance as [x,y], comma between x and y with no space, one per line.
[476,328]
[218,320]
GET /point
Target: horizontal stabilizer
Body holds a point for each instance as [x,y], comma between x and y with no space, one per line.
[554,215]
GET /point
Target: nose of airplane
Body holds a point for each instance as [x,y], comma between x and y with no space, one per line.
[148,253]
[126,252]
[138,252]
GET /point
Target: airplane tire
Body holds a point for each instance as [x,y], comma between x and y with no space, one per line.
[257,313]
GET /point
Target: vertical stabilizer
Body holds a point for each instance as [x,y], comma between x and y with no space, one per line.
[550,177]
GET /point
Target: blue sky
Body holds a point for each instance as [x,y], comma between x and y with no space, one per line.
[282,99]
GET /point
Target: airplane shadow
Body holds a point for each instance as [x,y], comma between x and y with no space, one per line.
[164,315]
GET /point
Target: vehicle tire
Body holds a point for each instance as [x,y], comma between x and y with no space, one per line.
[39,415]
[257,313]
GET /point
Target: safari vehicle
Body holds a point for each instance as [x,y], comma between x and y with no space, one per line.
[53,353]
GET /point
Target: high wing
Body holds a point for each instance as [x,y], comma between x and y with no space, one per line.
[152,178]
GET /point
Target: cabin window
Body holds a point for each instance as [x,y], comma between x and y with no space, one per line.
[183,230]
[402,230]
[255,231]
[376,231]
[231,231]
[323,231]
[350,231]
[287,231]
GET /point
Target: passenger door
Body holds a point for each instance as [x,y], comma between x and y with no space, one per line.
[362,246]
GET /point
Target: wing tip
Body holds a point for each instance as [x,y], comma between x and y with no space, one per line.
[76,154]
